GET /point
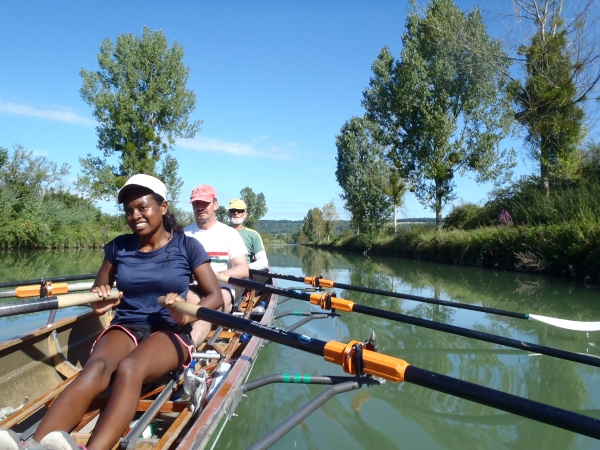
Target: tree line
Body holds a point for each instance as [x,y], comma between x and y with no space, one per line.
[445,106]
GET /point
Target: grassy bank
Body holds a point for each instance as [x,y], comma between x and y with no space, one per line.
[570,249]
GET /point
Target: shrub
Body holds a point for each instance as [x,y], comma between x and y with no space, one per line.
[464,217]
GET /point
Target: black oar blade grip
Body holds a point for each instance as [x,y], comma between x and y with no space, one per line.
[567,420]
[27,306]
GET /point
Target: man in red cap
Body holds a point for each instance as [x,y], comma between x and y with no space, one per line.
[223,244]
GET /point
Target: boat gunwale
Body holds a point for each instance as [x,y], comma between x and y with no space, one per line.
[45,329]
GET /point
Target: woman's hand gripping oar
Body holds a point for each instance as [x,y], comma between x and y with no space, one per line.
[54,302]
[320,282]
[327,301]
[356,358]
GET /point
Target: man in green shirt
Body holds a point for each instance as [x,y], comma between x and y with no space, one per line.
[256,257]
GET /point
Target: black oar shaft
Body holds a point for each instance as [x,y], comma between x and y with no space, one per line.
[417,298]
[479,335]
[28,306]
[541,412]
[49,303]
[86,276]
[551,415]
[453,329]
[433,301]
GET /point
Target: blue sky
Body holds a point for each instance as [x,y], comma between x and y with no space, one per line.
[274,82]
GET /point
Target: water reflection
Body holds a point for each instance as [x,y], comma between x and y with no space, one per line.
[409,416]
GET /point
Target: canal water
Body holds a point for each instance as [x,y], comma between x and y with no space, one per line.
[403,416]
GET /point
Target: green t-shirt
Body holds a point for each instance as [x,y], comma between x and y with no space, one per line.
[253,241]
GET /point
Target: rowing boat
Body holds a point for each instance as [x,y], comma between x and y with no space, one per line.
[36,366]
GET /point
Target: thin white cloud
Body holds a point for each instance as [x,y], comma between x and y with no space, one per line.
[233,148]
[61,114]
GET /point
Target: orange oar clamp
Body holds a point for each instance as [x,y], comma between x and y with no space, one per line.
[45,289]
[318,282]
[329,301]
[355,358]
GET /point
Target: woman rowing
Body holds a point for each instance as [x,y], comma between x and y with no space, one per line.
[144,342]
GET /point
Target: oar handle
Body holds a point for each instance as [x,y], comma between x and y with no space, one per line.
[65,301]
[222,278]
[49,303]
[182,307]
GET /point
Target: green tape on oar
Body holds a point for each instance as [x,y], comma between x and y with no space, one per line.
[296,378]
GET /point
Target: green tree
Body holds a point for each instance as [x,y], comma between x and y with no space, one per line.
[360,165]
[313,225]
[442,108]
[395,189]
[549,101]
[330,218]
[3,156]
[221,213]
[141,103]
[38,211]
[256,206]
[29,177]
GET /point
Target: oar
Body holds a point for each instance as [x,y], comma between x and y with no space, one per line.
[326,301]
[320,282]
[356,359]
[38,281]
[50,288]
[54,302]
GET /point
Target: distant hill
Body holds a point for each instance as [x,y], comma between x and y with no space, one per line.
[291,226]
[279,226]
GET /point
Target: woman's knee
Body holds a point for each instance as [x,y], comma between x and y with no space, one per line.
[97,372]
[129,369]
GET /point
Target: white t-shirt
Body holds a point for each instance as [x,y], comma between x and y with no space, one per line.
[221,242]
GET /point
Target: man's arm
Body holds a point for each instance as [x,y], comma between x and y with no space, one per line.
[238,269]
[261,262]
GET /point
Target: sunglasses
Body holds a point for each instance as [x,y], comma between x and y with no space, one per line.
[237,211]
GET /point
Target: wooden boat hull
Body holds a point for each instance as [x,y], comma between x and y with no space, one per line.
[36,367]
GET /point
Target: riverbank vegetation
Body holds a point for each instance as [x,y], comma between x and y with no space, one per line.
[518,228]
[38,211]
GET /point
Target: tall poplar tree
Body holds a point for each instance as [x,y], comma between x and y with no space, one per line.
[362,174]
[561,73]
[141,103]
[441,108]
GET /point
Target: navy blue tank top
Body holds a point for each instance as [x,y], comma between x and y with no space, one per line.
[143,277]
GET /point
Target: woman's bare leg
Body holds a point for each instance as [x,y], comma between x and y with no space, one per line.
[70,406]
[156,356]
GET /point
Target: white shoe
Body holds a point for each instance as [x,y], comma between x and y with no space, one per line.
[9,440]
[59,440]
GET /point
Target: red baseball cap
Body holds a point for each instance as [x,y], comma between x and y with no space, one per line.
[204,193]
